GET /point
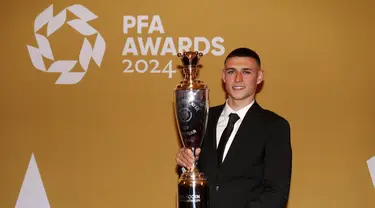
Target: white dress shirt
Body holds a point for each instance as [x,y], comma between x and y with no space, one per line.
[223,121]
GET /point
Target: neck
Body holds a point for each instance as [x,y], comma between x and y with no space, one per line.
[239,104]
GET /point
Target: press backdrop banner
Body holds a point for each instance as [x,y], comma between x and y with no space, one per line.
[87,95]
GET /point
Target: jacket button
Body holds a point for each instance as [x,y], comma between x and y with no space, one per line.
[217,187]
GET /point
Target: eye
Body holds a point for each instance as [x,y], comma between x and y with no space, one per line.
[247,72]
[231,71]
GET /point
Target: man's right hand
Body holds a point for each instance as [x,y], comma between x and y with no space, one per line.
[185,157]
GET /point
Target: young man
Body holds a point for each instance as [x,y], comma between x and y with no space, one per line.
[246,153]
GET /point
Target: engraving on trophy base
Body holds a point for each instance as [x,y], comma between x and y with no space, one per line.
[193,196]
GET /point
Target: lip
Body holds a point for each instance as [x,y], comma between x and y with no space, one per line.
[238,87]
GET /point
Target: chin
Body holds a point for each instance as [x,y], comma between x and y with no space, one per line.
[239,97]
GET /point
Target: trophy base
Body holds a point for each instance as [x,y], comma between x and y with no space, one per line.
[193,190]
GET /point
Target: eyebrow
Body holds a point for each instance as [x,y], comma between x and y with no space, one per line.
[232,68]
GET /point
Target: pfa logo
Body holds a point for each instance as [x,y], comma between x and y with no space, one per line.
[87,52]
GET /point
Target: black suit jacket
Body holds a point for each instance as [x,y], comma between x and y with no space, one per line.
[256,171]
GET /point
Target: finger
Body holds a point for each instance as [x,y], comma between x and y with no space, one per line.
[183,159]
[183,163]
[188,159]
[188,154]
[198,151]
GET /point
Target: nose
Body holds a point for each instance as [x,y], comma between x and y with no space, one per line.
[238,77]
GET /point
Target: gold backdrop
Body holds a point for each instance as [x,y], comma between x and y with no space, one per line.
[110,140]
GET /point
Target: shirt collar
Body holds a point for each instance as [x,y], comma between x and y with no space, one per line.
[241,113]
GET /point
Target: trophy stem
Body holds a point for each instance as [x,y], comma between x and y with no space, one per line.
[194,167]
[190,73]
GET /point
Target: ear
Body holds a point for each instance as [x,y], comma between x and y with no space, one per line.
[223,75]
[260,76]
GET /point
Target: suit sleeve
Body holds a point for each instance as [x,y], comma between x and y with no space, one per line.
[277,167]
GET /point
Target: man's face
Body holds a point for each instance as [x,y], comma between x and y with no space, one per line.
[241,76]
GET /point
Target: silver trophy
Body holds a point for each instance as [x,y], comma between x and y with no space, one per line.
[191,112]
